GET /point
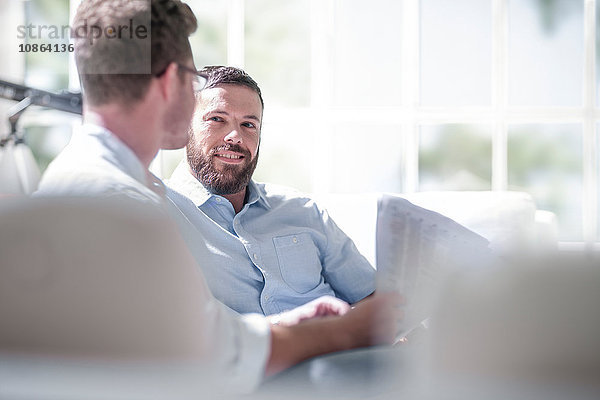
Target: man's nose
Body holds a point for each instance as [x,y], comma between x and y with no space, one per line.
[233,137]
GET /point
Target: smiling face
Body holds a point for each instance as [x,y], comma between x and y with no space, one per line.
[223,149]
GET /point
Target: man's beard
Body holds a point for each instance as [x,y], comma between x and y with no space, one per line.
[229,179]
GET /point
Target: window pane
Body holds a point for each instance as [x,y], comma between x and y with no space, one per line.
[11,60]
[597,53]
[46,23]
[455,157]
[367,53]
[360,166]
[209,42]
[545,161]
[546,52]
[278,49]
[285,156]
[456,51]
[49,22]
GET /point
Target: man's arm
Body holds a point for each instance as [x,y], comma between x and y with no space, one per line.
[368,297]
[371,322]
[349,273]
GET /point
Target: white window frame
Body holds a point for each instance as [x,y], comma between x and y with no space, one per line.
[410,115]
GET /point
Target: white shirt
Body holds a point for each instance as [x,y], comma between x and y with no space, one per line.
[96,163]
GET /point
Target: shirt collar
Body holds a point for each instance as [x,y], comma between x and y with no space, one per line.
[122,156]
[257,195]
[119,153]
[184,182]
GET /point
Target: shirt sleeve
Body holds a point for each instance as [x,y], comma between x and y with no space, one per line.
[238,344]
[239,347]
[348,272]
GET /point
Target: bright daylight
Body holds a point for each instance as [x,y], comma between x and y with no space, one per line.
[300,198]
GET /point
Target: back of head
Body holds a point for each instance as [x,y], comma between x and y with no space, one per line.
[121,44]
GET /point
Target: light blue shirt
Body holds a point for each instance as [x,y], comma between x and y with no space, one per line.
[280,251]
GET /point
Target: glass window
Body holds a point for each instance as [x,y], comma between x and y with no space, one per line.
[362,67]
[209,42]
[545,161]
[46,132]
[597,54]
[278,49]
[364,157]
[11,60]
[455,157]
[366,53]
[545,52]
[285,155]
[456,52]
[49,22]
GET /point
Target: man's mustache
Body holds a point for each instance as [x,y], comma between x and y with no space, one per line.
[231,147]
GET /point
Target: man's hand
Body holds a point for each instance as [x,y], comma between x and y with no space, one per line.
[321,307]
[373,321]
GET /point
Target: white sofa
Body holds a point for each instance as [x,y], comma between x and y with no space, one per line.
[509,220]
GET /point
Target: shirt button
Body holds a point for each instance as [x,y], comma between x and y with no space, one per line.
[295,239]
[218,200]
[255,256]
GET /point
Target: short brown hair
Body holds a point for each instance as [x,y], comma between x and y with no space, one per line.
[221,75]
[104,62]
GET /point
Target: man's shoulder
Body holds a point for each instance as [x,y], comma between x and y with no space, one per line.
[90,178]
[279,195]
[181,200]
[81,184]
[280,192]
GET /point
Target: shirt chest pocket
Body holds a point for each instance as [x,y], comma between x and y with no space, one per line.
[298,261]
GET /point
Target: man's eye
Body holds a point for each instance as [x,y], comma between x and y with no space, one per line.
[216,119]
[249,125]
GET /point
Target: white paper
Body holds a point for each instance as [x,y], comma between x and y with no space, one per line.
[415,248]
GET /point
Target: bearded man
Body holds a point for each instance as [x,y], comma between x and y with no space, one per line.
[274,249]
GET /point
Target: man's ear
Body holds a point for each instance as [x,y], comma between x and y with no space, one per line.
[168,81]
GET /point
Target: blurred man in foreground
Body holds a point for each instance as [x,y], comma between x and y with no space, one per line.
[139,85]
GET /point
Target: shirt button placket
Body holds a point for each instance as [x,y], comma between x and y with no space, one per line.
[265,299]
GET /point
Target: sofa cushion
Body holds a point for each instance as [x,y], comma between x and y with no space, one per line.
[507,219]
